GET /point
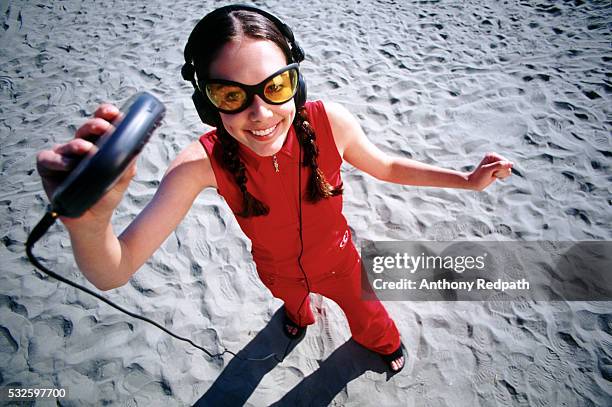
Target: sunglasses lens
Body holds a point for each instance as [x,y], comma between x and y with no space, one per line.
[282,87]
[226,97]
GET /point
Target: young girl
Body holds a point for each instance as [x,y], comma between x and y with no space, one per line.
[276,159]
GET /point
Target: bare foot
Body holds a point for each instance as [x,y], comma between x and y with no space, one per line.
[395,360]
[291,330]
[397,364]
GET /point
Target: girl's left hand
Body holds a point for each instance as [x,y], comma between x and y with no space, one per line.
[492,167]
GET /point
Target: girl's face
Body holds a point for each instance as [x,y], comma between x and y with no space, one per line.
[262,127]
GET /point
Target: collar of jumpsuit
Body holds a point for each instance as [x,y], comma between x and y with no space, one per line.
[254,161]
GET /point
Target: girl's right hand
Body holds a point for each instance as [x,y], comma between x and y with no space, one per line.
[55,164]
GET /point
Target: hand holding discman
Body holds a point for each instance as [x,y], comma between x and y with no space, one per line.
[55,164]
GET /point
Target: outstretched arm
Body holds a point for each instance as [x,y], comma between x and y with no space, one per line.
[356,149]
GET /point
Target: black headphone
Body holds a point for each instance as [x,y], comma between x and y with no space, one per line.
[207,112]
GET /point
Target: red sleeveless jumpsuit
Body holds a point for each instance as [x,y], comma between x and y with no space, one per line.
[330,260]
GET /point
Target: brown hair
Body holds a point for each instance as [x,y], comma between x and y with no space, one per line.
[229,27]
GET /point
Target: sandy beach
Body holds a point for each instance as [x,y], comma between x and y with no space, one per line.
[441,82]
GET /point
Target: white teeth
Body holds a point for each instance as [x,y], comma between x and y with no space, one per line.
[263,132]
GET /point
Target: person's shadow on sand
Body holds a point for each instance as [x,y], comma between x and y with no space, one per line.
[240,377]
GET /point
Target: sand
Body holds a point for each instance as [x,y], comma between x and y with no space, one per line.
[437,81]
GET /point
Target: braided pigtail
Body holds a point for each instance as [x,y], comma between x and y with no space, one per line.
[251,206]
[318,186]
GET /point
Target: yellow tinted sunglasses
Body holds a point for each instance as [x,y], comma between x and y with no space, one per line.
[234,97]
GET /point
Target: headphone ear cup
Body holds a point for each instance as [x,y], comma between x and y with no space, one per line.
[297,52]
[300,94]
[207,113]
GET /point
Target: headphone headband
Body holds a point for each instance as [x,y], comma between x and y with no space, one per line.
[188,69]
[284,28]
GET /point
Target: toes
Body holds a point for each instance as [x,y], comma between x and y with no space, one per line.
[397,364]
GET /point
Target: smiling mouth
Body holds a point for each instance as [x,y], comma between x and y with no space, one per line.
[263,133]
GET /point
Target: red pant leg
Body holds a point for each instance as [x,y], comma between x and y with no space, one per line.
[369,321]
[292,293]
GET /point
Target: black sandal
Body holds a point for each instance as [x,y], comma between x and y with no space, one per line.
[388,359]
[301,330]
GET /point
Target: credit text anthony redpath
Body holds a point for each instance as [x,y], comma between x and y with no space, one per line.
[444,284]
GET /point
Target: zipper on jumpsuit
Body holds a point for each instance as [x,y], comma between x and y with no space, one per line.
[291,199]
